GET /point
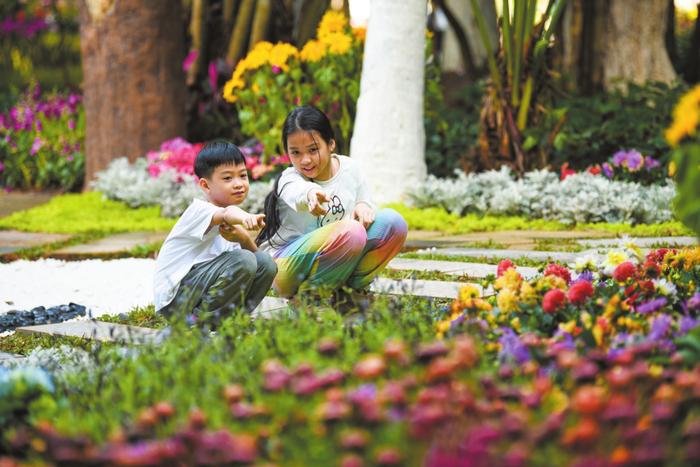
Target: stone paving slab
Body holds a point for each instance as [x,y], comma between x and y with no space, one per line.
[522,239]
[642,242]
[512,254]
[420,288]
[98,330]
[476,270]
[10,358]
[13,240]
[18,201]
[113,244]
[269,306]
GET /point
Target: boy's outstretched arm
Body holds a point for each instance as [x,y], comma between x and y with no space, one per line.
[233,215]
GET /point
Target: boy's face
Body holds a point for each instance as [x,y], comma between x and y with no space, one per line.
[227,185]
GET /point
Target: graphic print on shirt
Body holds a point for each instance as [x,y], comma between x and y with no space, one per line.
[336,211]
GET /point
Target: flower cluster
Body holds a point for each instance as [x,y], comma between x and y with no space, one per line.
[686,117]
[176,154]
[24,25]
[625,165]
[541,194]
[41,142]
[608,302]
[273,78]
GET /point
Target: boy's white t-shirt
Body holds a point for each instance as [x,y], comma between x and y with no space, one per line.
[190,242]
[346,188]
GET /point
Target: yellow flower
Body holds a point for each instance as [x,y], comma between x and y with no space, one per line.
[443,326]
[259,56]
[337,42]
[507,300]
[332,22]
[230,87]
[586,319]
[511,279]
[568,327]
[515,323]
[469,291]
[528,293]
[686,117]
[313,51]
[598,334]
[550,282]
[280,53]
[672,168]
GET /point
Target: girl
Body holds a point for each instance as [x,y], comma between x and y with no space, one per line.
[322,227]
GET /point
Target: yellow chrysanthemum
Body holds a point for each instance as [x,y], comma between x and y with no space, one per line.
[280,53]
[686,117]
[469,291]
[528,294]
[332,22]
[507,300]
[313,51]
[259,56]
[337,42]
[510,279]
[230,88]
[550,282]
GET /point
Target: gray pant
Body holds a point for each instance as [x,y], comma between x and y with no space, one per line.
[216,288]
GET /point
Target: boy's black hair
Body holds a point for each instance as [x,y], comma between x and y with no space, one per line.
[214,154]
[304,118]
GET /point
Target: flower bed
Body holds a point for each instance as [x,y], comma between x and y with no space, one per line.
[609,389]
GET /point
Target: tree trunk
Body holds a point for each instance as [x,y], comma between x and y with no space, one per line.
[307,15]
[134,86]
[692,60]
[389,138]
[636,50]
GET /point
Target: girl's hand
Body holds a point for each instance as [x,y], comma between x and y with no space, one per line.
[364,214]
[315,200]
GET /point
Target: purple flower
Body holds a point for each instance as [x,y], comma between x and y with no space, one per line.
[694,302]
[584,276]
[687,324]
[619,158]
[607,170]
[276,70]
[659,327]
[363,394]
[39,127]
[36,145]
[635,160]
[71,124]
[512,347]
[2,166]
[651,163]
[652,305]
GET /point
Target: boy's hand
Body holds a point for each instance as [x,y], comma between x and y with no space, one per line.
[364,214]
[316,198]
[253,221]
[234,233]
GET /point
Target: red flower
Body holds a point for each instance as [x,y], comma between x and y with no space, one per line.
[559,271]
[651,269]
[553,300]
[658,255]
[503,266]
[624,271]
[579,292]
[566,171]
[594,169]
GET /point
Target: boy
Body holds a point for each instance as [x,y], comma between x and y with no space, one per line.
[209,264]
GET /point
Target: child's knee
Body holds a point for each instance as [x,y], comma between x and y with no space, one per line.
[352,235]
[243,264]
[393,219]
[265,264]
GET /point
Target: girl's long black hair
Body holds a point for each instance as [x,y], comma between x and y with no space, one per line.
[303,118]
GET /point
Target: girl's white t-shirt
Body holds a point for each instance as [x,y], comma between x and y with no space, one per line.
[346,188]
[190,242]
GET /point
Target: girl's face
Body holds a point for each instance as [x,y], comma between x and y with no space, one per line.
[310,154]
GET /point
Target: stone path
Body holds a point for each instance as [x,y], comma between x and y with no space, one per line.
[559,256]
[113,244]
[9,358]
[472,270]
[97,330]
[644,242]
[13,240]
[18,201]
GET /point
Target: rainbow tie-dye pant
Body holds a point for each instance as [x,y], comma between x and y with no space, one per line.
[341,253]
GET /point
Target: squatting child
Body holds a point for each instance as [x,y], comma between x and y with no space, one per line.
[208,265]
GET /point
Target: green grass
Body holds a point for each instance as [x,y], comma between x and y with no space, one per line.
[139,316]
[443,221]
[524,262]
[22,344]
[87,213]
[426,275]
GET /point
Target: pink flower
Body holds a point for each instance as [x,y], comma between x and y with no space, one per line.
[503,266]
[559,271]
[553,300]
[624,271]
[36,145]
[189,60]
[579,292]
[566,171]
[212,76]
[2,166]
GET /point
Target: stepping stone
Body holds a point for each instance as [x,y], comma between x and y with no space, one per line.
[642,242]
[113,244]
[14,240]
[13,202]
[9,358]
[98,330]
[419,288]
[475,270]
[511,254]
[269,307]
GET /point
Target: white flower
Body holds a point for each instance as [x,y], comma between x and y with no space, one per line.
[587,262]
[665,287]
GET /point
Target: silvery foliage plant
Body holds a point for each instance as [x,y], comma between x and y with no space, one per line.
[540,194]
[172,191]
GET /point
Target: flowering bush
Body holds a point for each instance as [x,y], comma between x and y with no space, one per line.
[166,178]
[41,142]
[629,166]
[540,194]
[617,300]
[272,79]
